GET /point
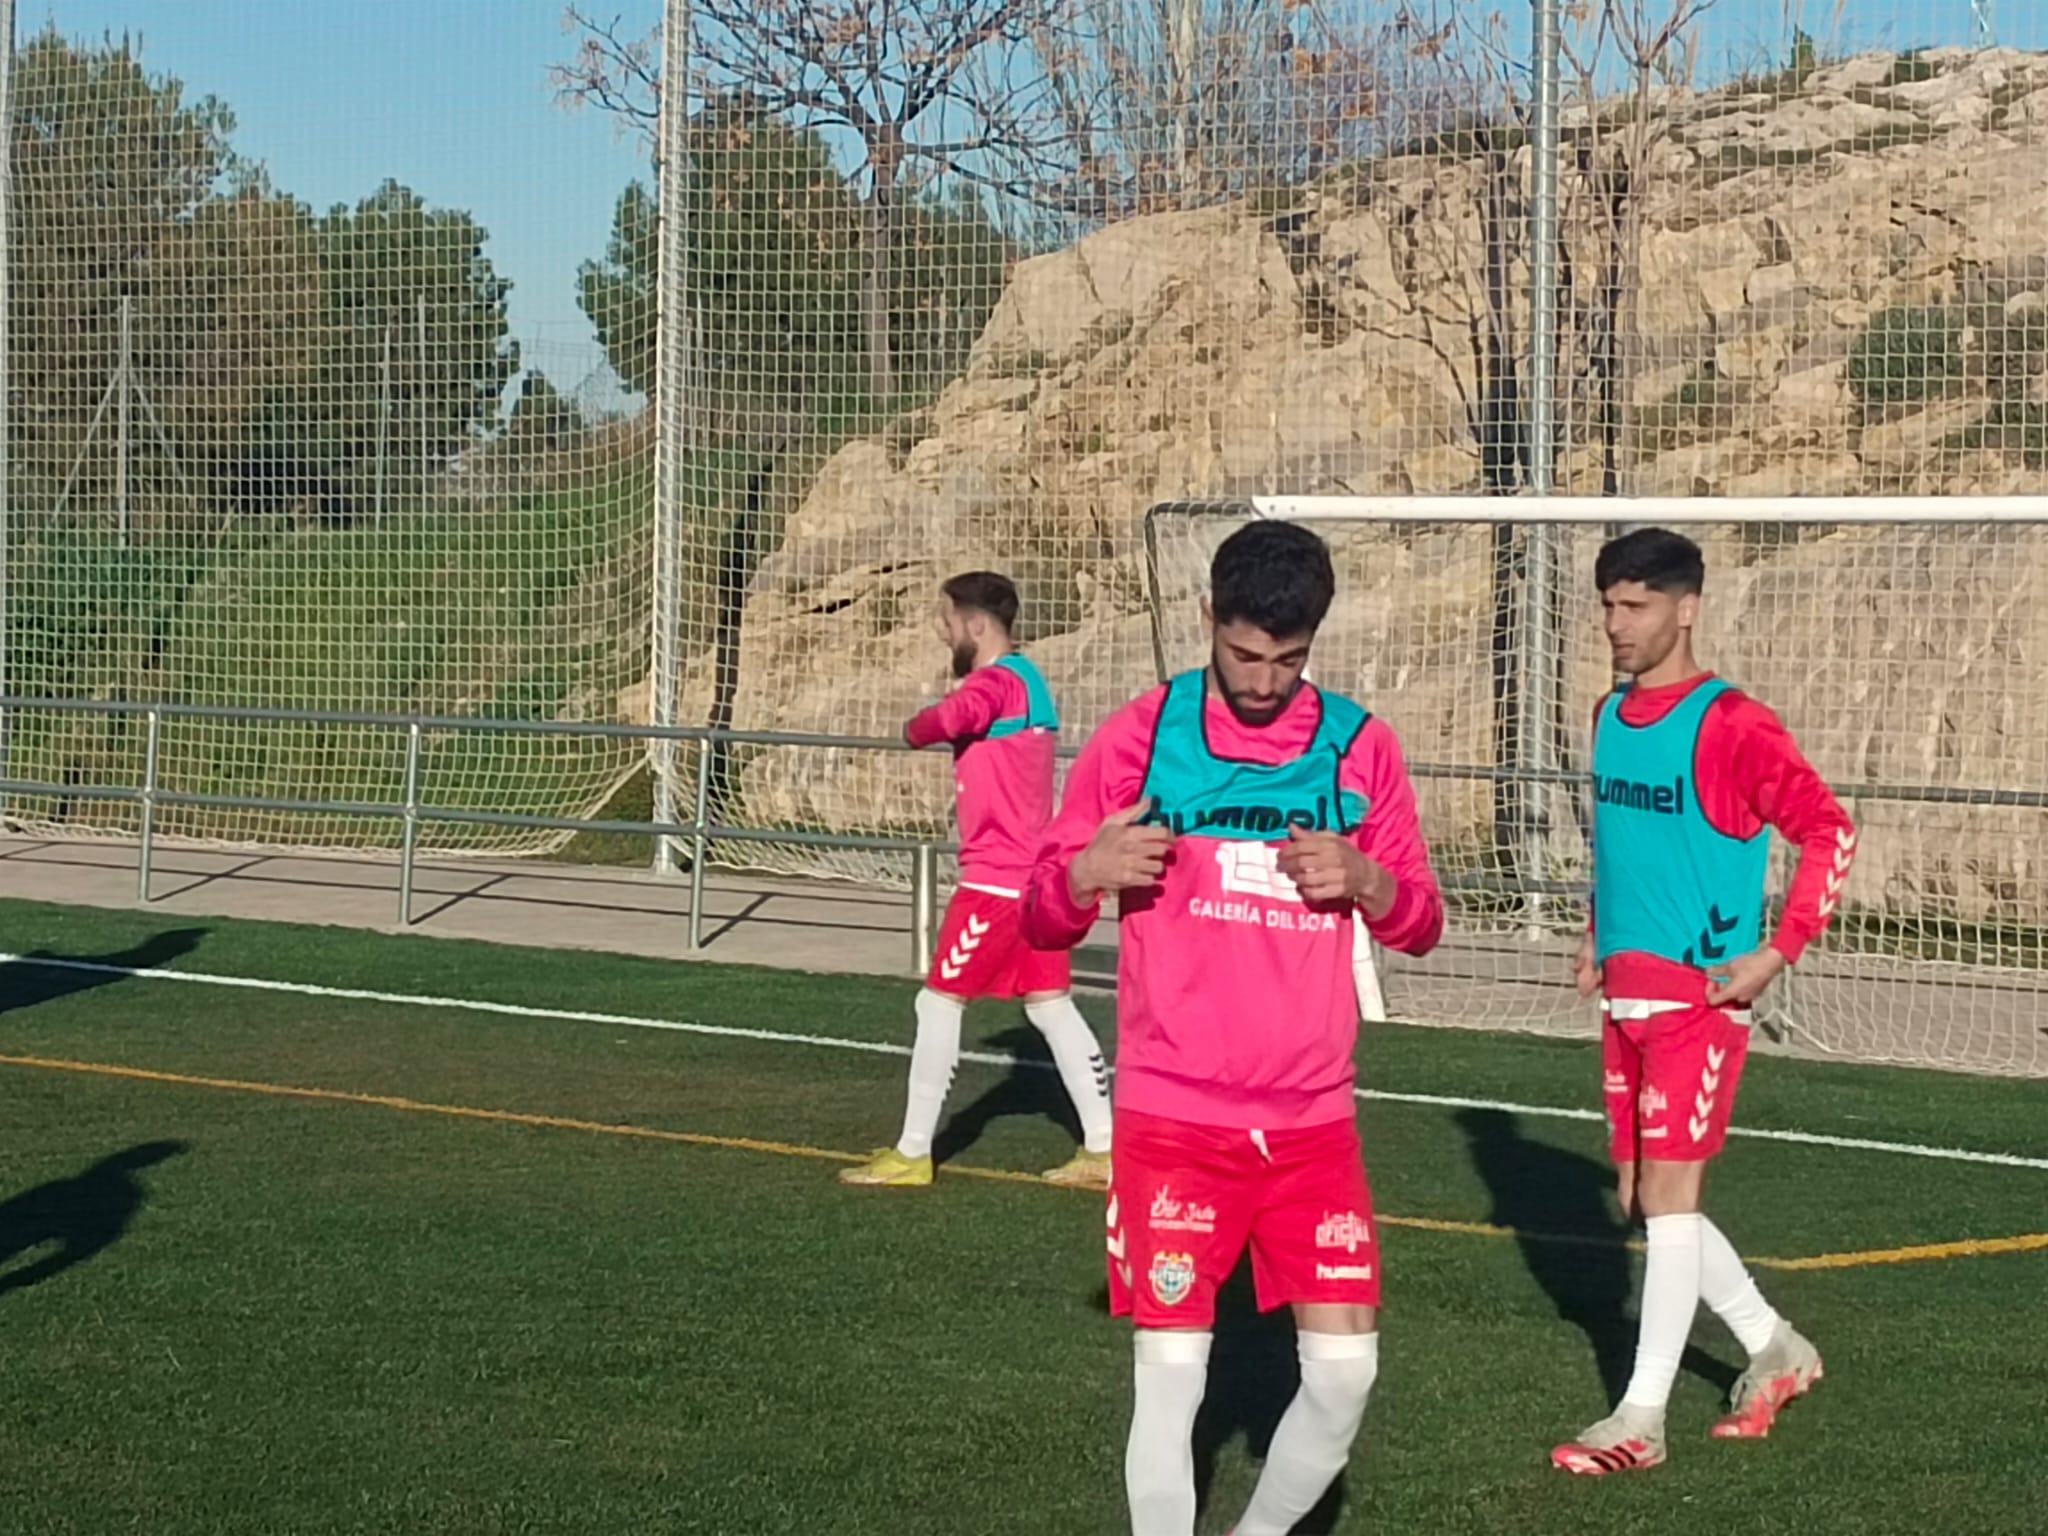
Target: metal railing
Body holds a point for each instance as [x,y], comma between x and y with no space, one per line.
[411,812]
[700,832]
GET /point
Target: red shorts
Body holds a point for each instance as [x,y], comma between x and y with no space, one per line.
[1670,1083]
[982,952]
[1185,1199]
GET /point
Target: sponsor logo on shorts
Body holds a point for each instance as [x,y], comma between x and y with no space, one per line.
[1651,1102]
[1343,1271]
[1171,1215]
[1349,1231]
[1173,1276]
[1615,1082]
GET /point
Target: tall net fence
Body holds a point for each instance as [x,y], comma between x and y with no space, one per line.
[1296,249]
[889,291]
[266,451]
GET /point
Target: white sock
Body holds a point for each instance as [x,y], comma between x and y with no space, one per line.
[1079,1059]
[1314,1438]
[1671,1295]
[1172,1369]
[932,1060]
[1727,1287]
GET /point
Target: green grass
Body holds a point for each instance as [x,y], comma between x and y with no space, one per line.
[532,610]
[332,1317]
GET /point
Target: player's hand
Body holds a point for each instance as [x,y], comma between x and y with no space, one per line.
[1120,856]
[1742,980]
[1587,969]
[1327,867]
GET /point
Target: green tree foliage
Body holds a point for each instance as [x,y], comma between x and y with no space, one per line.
[543,419]
[413,358]
[772,281]
[125,192]
[258,377]
[617,294]
[1907,354]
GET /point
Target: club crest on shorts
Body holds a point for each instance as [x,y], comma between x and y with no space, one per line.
[1173,1276]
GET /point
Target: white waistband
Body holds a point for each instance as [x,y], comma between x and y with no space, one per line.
[1632,1009]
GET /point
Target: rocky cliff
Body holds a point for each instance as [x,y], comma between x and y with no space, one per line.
[1836,289]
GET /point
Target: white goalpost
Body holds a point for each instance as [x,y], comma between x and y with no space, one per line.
[1903,641]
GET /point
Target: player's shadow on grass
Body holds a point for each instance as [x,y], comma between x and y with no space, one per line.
[25,984]
[1254,1372]
[1569,1229]
[77,1218]
[1028,1088]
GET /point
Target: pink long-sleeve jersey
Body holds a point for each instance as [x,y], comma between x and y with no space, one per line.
[1003,752]
[1236,1004]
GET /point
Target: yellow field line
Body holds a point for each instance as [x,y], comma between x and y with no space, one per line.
[465,1112]
[1924,1253]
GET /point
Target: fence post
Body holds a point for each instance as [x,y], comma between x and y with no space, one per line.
[411,831]
[1542,662]
[6,376]
[924,881]
[151,744]
[671,449]
[700,846]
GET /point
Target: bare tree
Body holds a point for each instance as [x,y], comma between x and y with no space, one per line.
[1186,103]
[923,88]
[1625,54]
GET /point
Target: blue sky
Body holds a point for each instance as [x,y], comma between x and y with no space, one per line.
[451,97]
[1738,31]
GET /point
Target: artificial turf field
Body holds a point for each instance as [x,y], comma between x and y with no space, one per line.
[282,1260]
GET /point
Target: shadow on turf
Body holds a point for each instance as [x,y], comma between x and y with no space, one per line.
[24,984]
[83,1216]
[1552,1194]
[1023,1090]
[1253,1375]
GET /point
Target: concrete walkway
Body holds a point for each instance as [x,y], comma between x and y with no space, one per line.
[788,924]
[1854,1007]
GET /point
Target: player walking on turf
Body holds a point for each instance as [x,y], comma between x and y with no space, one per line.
[1003,727]
[1690,776]
[1242,815]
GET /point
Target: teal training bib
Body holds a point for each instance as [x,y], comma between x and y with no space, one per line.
[1039,713]
[1665,881]
[1195,793]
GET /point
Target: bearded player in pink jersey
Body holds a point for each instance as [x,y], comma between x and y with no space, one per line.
[1003,728]
[1243,816]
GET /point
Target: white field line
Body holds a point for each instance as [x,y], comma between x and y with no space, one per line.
[986,1058]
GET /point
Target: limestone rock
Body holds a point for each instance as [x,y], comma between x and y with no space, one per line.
[1353,345]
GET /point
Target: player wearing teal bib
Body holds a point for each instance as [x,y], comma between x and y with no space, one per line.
[1690,776]
[1003,727]
[1249,822]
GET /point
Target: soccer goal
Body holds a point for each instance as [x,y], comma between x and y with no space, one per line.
[1903,641]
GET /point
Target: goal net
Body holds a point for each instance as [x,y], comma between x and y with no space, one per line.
[1903,642]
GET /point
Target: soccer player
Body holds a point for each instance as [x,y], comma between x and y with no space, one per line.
[1242,816]
[1690,776]
[1003,728]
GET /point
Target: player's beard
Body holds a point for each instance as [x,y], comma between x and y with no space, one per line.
[963,658]
[1255,716]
